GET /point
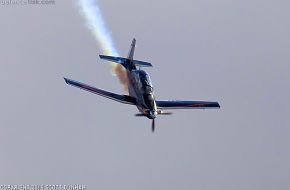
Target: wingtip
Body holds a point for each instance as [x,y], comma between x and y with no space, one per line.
[218,105]
[66,80]
[102,56]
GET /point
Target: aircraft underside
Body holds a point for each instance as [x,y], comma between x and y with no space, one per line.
[141,90]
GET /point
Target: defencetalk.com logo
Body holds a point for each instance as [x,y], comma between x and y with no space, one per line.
[27,2]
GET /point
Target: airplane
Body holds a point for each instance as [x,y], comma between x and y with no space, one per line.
[140,88]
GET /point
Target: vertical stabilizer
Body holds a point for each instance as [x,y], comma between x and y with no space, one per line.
[132,49]
[129,63]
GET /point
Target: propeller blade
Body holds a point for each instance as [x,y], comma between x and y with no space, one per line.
[139,115]
[161,112]
[153,125]
[166,113]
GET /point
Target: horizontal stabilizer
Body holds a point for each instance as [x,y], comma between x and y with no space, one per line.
[119,98]
[120,60]
[125,62]
[142,63]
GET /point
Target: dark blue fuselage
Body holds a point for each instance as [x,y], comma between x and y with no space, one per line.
[141,88]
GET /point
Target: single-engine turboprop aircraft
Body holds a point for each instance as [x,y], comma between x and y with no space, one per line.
[141,90]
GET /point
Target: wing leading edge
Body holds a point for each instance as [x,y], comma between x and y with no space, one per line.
[167,104]
[119,98]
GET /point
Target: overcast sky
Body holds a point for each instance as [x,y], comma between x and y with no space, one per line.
[233,52]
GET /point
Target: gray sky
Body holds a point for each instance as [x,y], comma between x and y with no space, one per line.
[234,52]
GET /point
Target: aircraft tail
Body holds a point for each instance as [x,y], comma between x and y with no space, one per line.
[132,50]
[129,63]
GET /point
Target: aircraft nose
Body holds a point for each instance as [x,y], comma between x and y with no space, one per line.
[153,114]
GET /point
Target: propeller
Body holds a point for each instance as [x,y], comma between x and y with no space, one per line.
[140,115]
[161,112]
[153,125]
[166,113]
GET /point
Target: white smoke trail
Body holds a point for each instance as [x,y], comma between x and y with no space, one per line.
[95,22]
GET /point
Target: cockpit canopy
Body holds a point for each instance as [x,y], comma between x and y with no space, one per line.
[146,82]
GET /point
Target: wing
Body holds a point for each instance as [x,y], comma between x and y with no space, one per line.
[119,98]
[167,104]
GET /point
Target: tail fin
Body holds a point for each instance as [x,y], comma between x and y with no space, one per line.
[129,63]
[132,50]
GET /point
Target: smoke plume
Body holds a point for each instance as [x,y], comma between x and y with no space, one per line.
[94,21]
